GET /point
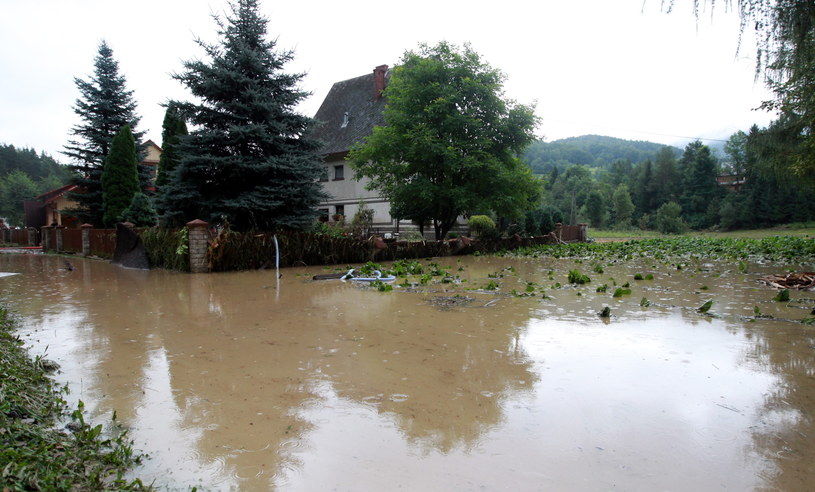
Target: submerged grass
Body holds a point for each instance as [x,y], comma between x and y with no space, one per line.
[777,249]
[35,454]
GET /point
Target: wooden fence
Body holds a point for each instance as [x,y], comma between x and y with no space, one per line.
[230,251]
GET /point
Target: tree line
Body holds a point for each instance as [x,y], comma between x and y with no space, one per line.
[673,193]
[24,174]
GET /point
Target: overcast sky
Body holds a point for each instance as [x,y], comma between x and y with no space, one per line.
[621,68]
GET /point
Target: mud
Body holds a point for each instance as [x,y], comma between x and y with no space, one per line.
[246,381]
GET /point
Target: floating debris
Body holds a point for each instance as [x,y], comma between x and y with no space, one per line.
[800,281]
[448,302]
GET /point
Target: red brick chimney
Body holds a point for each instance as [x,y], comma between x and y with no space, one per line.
[379,80]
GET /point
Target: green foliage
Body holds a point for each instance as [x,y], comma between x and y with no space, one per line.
[15,188]
[575,277]
[140,212]
[249,160]
[326,229]
[120,178]
[167,248]
[173,129]
[450,141]
[588,150]
[595,209]
[669,219]
[782,249]
[480,224]
[704,308]
[644,302]
[622,205]
[36,166]
[699,187]
[34,453]
[104,107]
[782,296]
[362,221]
[620,291]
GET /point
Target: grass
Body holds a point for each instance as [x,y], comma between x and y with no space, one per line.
[35,453]
[806,230]
[685,248]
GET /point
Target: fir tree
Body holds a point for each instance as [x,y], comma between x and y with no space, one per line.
[104,107]
[120,179]
[172,130]
[699,187]
[140,212]
[247,162]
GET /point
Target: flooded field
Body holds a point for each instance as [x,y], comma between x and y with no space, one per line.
[246,381]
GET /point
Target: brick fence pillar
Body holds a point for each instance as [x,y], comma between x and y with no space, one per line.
[86,239]
[46,238]
[198,246]
[59,230]
[32,236]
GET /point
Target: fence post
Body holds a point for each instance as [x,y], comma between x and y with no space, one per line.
[46,238]
[59,237]
[86,239]
[584,233]
[198,246]
[32,236]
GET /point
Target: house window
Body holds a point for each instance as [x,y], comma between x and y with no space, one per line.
[324,174]
[341,210]
[339,173]
[345,119]
[322,214]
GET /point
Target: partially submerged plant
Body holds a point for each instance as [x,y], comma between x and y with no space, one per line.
[782,296]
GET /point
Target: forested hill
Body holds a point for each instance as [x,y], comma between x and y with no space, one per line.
[588,150]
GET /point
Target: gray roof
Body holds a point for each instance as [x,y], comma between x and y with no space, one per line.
[356,97]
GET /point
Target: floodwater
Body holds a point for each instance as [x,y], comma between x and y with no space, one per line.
[246,381]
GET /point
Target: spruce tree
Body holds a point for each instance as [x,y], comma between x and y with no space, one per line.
[104,106]
[248,162]
[699,187]
[120,178]
[172,130]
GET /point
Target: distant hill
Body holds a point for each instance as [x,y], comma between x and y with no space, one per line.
[588,150]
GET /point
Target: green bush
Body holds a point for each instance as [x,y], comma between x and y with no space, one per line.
[669,219]
[481,224]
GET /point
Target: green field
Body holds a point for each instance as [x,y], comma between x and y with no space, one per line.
[792,230]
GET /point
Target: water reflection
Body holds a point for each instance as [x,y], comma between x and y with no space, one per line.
[243,381]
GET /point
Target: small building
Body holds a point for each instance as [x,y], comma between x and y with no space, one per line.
[731,181]
[45,209]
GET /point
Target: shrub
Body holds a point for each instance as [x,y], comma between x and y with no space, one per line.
[481,224]
[669,219]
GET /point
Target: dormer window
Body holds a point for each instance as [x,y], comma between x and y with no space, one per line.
[345,119]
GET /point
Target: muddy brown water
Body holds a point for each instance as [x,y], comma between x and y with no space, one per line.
[244,381]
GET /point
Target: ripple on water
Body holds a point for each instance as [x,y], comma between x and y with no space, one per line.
[398,398]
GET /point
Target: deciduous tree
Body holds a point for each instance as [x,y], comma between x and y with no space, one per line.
[451,141]
[15,188]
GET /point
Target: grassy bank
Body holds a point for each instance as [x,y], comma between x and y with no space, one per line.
[37,451]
